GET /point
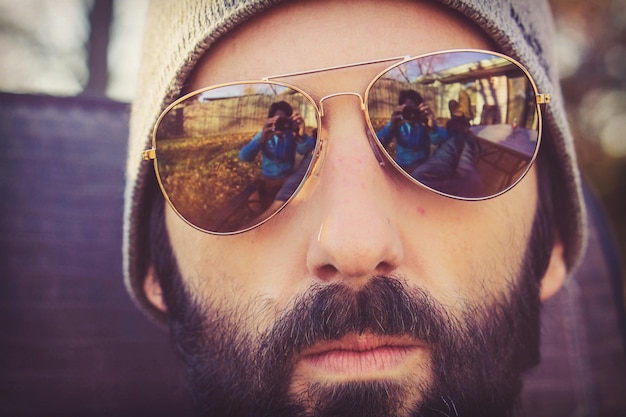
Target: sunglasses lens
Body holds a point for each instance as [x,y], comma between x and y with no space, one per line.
[465,124]
[230,157]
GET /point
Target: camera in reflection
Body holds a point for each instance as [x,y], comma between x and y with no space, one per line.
[413,114]
[284,124]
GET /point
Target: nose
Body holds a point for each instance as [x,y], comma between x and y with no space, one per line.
[356,235]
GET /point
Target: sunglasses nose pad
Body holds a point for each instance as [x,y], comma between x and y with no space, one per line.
[318,159]
[380,158]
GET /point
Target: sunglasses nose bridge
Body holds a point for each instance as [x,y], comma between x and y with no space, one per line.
[344,93]
[323,147]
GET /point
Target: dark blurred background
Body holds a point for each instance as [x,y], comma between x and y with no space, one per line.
[52,51]
[592,56]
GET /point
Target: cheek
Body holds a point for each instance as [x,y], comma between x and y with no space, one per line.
[463,251]
[243,268]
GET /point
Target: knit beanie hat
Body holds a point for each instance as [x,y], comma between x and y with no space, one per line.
[179,32]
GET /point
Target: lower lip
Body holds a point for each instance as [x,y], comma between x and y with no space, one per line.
[382,359]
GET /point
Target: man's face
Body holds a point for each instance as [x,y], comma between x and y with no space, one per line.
[364,284]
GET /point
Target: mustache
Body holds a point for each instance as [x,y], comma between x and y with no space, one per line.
[383,306]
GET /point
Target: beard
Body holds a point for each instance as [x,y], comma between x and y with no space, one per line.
[477,356]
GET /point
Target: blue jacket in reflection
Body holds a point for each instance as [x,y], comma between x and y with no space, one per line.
[412,141]
[278,153]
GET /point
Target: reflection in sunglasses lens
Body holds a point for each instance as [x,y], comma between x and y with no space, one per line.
[230,157]
[464,124]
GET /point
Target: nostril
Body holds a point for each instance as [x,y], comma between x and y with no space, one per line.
[384,268]
[329,272]
[326,272]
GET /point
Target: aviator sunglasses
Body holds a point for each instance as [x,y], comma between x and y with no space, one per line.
[464,124]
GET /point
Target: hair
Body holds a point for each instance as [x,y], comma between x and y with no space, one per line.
[280,105]
[410,95]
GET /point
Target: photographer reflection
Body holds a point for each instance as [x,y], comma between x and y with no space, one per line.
[452,167]
[282,136]
[413,127]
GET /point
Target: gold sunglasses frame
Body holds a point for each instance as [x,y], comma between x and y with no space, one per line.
[151,154]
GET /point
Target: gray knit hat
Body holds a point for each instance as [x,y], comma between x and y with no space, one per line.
[178,32]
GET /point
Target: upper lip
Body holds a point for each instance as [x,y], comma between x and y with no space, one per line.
[362,343]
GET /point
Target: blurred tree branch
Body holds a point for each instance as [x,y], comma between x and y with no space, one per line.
[100,19]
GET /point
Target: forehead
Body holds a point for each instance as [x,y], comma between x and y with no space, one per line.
[296,36]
